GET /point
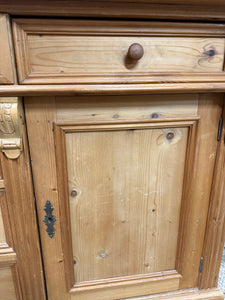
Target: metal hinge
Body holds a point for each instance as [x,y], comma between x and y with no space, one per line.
[11,142]
[200,265]
[220,129]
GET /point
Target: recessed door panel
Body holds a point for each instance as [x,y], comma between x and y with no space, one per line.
[125,192]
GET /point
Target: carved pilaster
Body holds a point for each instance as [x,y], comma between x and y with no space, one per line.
[10,136]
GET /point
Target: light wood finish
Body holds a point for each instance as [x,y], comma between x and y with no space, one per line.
[53,51]
[214,237]
[209,294]
[21,219]
[196,200]
[42,114]
[6,285]
[2,230]
[110,186]
[42,118]
[7,255]
[166,143]
[124,108]
[124,286]
[109,89]
[165,9]
[7,71]
[92,116]
[2,185]
[165,282]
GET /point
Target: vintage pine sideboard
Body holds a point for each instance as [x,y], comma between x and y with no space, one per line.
[112,161]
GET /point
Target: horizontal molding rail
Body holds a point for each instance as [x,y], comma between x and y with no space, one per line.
[107,89]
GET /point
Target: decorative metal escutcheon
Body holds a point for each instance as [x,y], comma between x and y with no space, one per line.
[49,219]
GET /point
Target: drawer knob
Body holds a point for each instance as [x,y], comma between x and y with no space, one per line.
[135,51]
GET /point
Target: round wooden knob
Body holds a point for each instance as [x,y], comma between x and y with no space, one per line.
[135,51]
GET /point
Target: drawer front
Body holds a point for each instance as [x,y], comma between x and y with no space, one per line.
[50,51]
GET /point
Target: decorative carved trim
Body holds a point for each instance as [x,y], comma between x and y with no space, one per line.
[8,113]
[10,140]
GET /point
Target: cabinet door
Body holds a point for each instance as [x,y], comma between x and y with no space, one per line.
[122,186]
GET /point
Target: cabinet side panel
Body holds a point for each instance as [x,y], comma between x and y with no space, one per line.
[22,220]
[215,233]
[40,116]
[199,175]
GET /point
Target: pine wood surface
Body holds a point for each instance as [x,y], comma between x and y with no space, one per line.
[209,294]
[196,200]
[50,177]
[112,89]
[6,284]
[173,9]
[214,237]
[7,67]
[7,255]
[21,219]
[53,51]
[63,129]
[110,186]
[2,231]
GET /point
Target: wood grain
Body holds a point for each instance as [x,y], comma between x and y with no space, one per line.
[169,9]
[215,86]
[214,237]
[49,52]
[6,284]
[95,109]
[197,189]
[50,183]
[7,255]
[7,67]
[111,285]
[125,236]
[165,282]
[28,271]
[190,277]
[2,230]
[194,294]
[41,115]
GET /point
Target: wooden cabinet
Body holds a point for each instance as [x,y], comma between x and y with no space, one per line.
[126,185]
[112,173]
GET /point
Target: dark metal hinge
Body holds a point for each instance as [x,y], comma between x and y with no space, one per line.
[220,129]
[200,266]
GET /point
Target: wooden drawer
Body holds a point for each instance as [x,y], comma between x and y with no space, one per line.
[79,51]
